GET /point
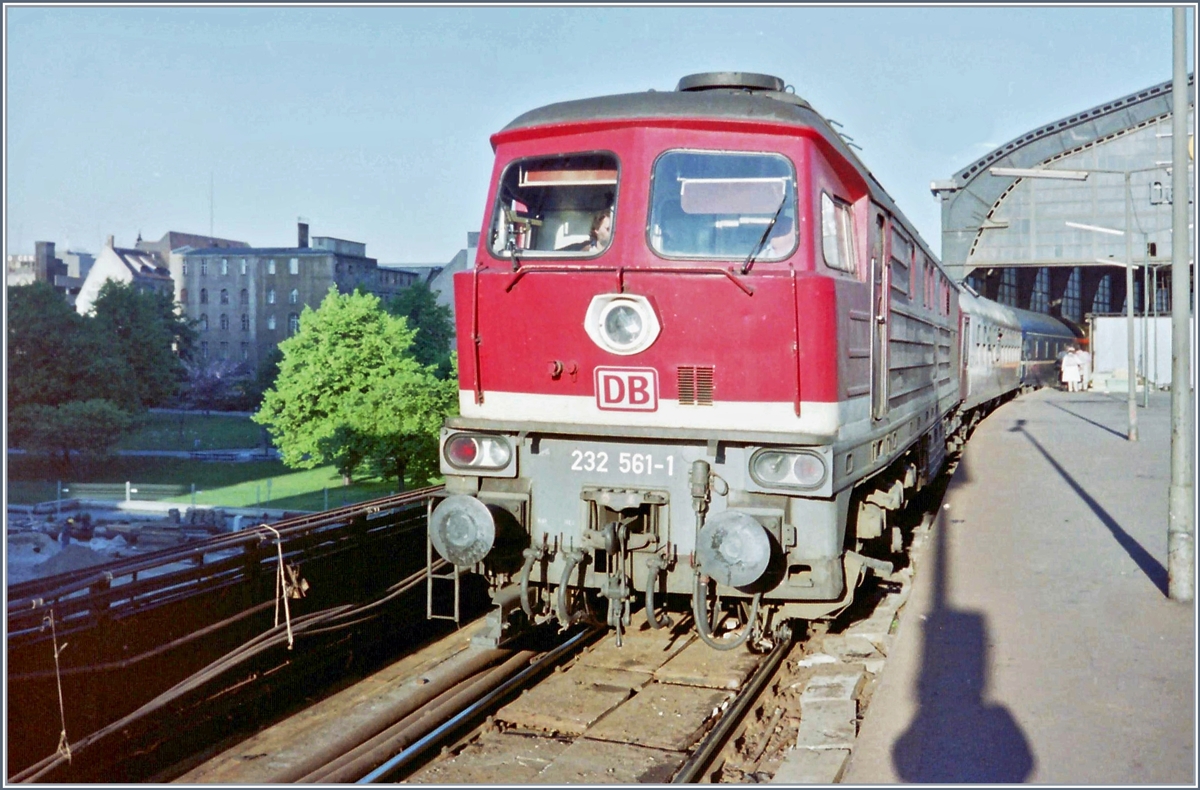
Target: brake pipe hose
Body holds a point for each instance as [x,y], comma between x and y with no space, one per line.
[699,614]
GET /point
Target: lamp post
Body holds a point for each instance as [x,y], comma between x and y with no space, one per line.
[1082,175]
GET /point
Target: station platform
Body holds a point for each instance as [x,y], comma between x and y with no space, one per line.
[1039,644]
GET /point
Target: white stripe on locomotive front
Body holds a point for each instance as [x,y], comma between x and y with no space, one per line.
[844,420]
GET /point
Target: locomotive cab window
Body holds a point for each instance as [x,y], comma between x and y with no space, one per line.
[732,206]
[559,206]
[837,234]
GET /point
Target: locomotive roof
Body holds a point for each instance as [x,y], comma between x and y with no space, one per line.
[737,96]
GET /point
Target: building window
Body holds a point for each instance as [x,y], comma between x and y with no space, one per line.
[203,296]
[294,266]
[245,323]
[294,296]
[1007,292]
[224,350]
[245,296]
[224,267]
[224,322]
[245,351]
[271,322]
[1072,300]
[1039,299]
[271,266]
[224,296]
[185,268]
[204,323]
[293,324]
[183,295]
[204,349]
[204,268]
[270,296]
[243,265]
[1103,301]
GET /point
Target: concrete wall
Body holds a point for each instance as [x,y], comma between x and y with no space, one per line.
[1110,352]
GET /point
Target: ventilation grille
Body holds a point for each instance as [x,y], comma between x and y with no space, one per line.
[696,385]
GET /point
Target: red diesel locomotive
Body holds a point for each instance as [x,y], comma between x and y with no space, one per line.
[702,356]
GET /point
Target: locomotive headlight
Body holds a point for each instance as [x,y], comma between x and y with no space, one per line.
[621,323]
[476,452]
[772,467]
[733,548]
[788,468]
[462,530]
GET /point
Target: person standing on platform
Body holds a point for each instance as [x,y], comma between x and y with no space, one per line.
[1085,368]
[1070,370]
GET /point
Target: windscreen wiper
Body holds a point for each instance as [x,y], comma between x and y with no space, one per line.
[763,239]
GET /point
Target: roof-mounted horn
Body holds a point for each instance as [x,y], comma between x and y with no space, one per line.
[730,80]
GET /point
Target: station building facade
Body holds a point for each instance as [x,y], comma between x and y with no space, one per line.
[1056,243]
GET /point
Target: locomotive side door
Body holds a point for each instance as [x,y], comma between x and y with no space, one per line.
[879,313]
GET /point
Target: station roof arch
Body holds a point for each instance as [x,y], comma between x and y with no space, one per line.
[1005,221]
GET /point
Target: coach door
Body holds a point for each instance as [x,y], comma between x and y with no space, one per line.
[964,359]
[879,314]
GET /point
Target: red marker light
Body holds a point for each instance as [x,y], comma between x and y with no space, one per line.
[462,450]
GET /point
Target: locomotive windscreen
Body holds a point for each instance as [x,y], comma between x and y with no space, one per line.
[719,205]
[549,206]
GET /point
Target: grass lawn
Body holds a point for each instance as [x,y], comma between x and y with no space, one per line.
[193,432]
[267,484]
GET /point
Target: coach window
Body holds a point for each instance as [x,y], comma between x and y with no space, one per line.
[555,207]
[731,206]
[837,234]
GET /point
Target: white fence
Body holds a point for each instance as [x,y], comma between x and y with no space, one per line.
[1110,354]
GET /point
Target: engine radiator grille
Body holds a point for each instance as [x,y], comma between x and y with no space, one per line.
[695,385]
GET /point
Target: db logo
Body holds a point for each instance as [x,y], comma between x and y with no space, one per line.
[627,389]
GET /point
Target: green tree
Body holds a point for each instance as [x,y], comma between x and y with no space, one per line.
[56,355]
[349,392]
[432,321]
[150,334]
[91,427]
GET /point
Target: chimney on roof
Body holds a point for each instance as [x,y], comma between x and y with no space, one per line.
[302,232]
[111,242]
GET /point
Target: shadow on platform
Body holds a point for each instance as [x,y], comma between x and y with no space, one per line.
[1153,569]
[956,735]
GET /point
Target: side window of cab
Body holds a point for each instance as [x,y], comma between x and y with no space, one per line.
[837,234]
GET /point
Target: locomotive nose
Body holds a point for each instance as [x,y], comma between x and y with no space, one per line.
[733,548]
[462,530]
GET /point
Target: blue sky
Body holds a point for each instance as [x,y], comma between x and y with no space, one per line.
[373,122]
